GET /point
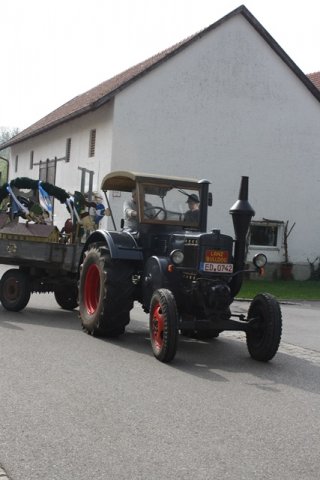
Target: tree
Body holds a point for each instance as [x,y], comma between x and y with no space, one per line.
[286,234]
[286,266]
[5,135]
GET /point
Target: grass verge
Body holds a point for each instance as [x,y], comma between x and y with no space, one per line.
[283,290]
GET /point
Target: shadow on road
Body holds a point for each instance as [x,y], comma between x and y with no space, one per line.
[211,360]
[58,318]
[214,359]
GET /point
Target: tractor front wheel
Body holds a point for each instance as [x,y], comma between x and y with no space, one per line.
[164,325]
[264,334]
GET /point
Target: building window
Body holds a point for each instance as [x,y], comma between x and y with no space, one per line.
[47,171]
[92,143]
[68,149]
[16,163]
[31,159]
[264,234]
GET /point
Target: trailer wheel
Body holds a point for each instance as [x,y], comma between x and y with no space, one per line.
[15,290]
[67,298]
[105,293]
[163,325]
[263,338]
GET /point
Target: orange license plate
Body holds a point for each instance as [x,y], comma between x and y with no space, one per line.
[216,256]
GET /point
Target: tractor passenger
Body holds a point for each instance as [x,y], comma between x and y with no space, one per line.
[130,212]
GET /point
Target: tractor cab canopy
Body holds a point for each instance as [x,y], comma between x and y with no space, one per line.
[126,181]
[160,199]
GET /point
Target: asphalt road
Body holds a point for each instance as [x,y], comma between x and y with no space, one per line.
[73,407]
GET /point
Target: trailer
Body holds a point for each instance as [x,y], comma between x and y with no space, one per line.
[43,259]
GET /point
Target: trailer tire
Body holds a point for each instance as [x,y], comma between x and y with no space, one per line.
[263,338]
[15,290]
[163,325]
[105,293]
[67,298]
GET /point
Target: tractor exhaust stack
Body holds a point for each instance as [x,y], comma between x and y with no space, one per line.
[241,212]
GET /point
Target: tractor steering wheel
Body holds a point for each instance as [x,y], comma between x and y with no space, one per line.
[154,214]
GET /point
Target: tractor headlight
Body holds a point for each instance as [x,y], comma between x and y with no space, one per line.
[177,257]
[259,260]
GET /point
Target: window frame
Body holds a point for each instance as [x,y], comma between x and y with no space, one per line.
[279,225]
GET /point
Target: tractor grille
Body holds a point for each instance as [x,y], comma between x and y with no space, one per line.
[191,255]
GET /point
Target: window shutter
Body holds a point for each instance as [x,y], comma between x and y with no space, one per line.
[92,143]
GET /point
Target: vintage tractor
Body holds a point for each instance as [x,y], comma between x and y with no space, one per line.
[185,277]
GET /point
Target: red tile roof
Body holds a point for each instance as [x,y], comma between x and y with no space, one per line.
[315,79]
[96,96]
[102,93]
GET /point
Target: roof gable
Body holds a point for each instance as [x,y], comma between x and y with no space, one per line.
[105,91]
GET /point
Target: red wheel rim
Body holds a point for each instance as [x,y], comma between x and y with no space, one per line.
[92,289]
[157,327]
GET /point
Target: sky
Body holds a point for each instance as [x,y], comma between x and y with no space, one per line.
[54,50]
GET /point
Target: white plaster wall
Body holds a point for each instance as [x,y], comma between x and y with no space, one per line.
[53,144]
[224,107]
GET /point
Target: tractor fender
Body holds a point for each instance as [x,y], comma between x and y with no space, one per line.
[155,276]
[121,245]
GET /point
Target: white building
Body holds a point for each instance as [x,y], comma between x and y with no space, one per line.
[226,102]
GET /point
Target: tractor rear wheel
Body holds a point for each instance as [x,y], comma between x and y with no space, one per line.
[105,293]
[264,335]
[15,290]
[164,325]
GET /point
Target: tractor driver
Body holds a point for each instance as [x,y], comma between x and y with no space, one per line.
[193,214]
[130,212]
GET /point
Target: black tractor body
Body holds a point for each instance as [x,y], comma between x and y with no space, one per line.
[185,275]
